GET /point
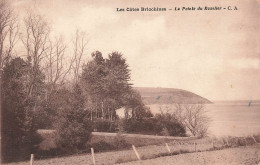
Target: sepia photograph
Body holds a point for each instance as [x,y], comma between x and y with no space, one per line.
[131,82]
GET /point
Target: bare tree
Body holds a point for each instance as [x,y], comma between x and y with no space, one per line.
[35,40]
[79,49]
[194,117]
[8,38]
[8,33]
[57,66]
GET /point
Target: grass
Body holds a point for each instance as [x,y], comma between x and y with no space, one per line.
[181,151]
[137,141]
[104,155]
[228,142]
[150,148]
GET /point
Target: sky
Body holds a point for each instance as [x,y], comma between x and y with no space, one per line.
[215,54]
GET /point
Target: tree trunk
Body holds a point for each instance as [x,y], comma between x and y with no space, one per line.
[102,110]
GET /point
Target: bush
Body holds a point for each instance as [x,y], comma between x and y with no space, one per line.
[73,127]
[173,128]
[53,152]
[72,134]
[120,142]
[163,124]
[104,125]
[147,126]
[193,117]
[117,144]
[168,125]
[102,146]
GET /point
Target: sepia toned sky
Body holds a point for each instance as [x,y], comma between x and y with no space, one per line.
[215,54]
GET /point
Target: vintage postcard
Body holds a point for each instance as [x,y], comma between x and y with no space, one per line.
[168,82]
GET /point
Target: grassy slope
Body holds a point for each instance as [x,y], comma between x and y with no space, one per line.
[231,156]
[248,147]
[169,96]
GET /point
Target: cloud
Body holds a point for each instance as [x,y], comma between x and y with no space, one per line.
[204,52]
[87,18]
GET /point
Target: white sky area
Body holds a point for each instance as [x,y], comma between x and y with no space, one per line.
[215,54]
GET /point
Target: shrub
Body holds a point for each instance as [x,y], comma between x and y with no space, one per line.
[73,127]
[147,126]
[175,128]
[193,117]
[117,144]
[53,152]
[120,142]
[102,146]
[163,124]
[19,136]
[104,125]
[72,135]
[168,125]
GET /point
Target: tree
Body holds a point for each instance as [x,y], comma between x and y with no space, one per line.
[135,105]
[106,82]
[92,80]
[79,48]
[117,79]
[19,136]
[8,38]
[55,67]
[73,127]
[193,117]
[35,41]
[8,32]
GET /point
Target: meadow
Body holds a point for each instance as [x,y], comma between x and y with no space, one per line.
[180,147]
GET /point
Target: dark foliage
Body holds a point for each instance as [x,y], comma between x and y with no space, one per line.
[168,125]
[118,144]
[135,108]
[104,125]
[160,125]
[73,127]
[146,126]
[106,82]
[19,136]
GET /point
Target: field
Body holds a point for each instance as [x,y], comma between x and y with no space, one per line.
[178,146]
[111,138]
[235,156]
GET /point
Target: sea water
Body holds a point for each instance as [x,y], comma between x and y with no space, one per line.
[234,118]
[227,118]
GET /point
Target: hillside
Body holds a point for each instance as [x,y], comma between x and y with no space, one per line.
[169,96]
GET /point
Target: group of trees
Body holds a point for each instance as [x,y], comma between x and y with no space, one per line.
[44,84]
[106,82]
[22,81]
